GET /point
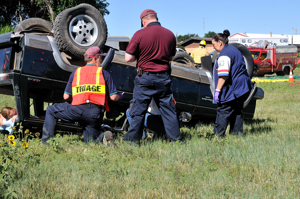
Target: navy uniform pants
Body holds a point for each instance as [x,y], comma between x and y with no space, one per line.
[152,122]
[158,87]
[89,115]
[230,112]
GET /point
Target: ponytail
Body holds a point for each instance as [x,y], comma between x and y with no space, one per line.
[222,36]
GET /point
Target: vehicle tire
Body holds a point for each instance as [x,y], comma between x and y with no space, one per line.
[78,28]
[214,57]
[247,57]
[34,24]
[286,71]
[183,58]
[280,73]
[255,71]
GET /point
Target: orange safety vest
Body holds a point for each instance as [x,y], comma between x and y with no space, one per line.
[88,86]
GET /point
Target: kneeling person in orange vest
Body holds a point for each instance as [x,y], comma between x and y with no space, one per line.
[199,52]
[88,90]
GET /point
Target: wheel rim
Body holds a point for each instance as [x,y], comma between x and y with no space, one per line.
[83,30]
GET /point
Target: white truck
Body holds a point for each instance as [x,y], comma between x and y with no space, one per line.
[254,41]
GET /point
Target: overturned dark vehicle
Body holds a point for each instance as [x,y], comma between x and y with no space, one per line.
[37,58]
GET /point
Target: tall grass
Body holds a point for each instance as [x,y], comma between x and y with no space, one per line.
[262,164]
[7,100]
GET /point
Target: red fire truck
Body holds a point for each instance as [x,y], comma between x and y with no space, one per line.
[270,59]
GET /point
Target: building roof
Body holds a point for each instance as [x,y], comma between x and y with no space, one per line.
[191,39]
[295,39]
[258,35]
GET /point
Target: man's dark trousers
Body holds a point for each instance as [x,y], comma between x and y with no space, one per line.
[89,115]
[156,86]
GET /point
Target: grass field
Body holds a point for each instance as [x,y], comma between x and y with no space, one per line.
[265,163]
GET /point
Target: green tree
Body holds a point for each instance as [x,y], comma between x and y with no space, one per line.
[181,38]
[14,11]
[10,11]
[5,29]
[210,34]
[49,9]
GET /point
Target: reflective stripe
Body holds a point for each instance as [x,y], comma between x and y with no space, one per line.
[98,75]
[78,76]
[88,88]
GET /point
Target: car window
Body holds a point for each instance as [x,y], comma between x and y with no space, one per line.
[255,54]
[5,58]
[180,50]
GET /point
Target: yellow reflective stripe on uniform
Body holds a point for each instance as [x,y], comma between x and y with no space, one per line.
[78,76]
[98,76]
[88,88]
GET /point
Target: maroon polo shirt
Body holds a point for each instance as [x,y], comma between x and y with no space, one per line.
[153,47]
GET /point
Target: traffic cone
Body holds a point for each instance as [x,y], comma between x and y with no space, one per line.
[291,79]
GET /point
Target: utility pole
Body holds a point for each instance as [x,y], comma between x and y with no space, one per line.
[203,27]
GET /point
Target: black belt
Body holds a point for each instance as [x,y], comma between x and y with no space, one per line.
[160,72]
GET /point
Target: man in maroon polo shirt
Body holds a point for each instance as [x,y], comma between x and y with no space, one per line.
[153,48]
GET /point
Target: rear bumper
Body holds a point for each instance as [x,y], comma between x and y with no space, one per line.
[259,94]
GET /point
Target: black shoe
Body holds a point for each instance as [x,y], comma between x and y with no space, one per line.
[108,139]
[180,141]
[45,143]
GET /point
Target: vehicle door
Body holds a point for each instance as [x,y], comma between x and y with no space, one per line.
[185,87]
[264,64]
[205,108]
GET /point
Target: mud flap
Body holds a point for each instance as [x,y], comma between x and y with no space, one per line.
[108,58]
[208,69]
[251,94]
[211,83]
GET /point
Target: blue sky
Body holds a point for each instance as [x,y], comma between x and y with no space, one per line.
[183,17]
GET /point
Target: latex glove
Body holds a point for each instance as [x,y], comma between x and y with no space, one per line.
[121,96]
[216,97]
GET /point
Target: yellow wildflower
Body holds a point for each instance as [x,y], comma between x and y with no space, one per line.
[6,140]
[0,145]
[13,143]
[25,145]
[11,137]
[37,134]
[27,131]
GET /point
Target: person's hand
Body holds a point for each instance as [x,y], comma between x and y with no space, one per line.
[216,97]
[14,117]
[1,120]
[121,96]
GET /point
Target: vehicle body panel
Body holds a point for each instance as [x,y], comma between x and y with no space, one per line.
[34,72]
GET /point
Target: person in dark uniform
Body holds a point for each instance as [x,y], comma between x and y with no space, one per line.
[88,89]
[153,48]
[232,86]
[153,121]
